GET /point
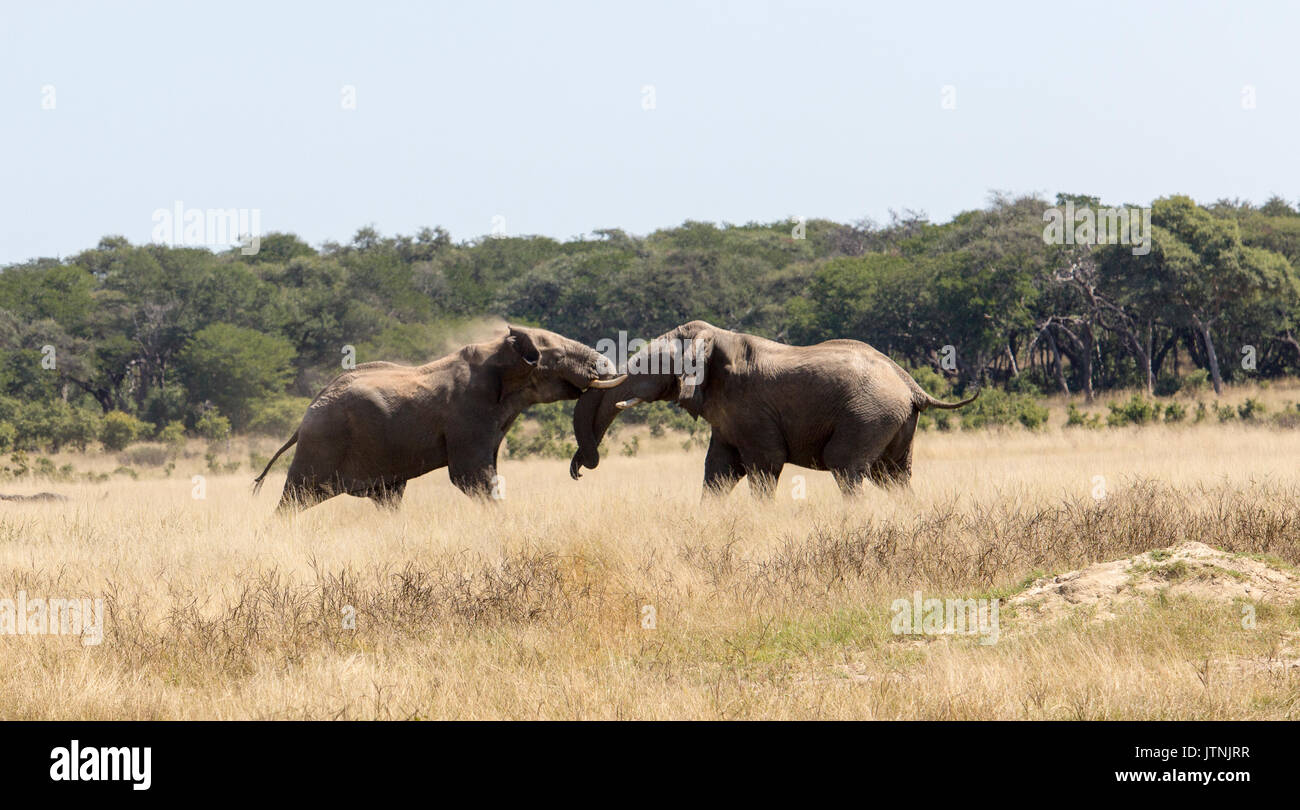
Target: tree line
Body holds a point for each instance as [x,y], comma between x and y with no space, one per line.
[161,337]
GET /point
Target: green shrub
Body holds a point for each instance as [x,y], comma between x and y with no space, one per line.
[18,465]
[146,455]
[931,381]
[1136,410]
[212,426]
[1226,413]
[278,417]
[1027,382]
[630,447]
[1196,380]
[78,427]
[1175,412]
[215,465]
[1168,384]
[120,429]
[998,408]
[164,404]
[1077,418]
[544,432]
[8,434]
[1288,417]
[935,418]
[1251,409]
[49,425]
[174,437]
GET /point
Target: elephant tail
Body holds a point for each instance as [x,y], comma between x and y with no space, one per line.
[923,401]
[257,482]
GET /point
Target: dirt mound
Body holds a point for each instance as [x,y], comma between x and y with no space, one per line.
[1189,569]
[40,496]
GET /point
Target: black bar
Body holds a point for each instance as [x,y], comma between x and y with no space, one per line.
[636,760]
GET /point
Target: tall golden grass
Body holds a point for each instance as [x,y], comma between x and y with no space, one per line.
[621,596]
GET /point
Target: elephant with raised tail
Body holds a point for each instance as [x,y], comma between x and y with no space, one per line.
[379,425]
[840,406]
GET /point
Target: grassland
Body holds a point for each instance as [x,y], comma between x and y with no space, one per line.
[536,606]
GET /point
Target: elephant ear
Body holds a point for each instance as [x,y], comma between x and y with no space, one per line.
[696,353]
[522,343]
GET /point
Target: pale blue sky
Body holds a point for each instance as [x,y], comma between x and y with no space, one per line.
[534,112]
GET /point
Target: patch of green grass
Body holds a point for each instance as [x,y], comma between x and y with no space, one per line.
[1232,572]
[1268,559]
[1171,572]
[785,638]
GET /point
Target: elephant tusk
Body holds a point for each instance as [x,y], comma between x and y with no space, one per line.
[617,381]
[628,403]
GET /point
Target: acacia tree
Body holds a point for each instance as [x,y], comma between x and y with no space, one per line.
[1209,270]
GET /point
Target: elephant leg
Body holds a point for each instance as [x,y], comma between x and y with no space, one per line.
[313,475]
[722,469]
[856,451]
[762,480]
[300,495]
[473,471]
[389,496]
[894,467]
[849,481]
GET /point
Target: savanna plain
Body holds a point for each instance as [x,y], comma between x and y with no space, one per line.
[621,596]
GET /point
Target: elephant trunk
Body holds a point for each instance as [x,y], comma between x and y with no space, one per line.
[592,416]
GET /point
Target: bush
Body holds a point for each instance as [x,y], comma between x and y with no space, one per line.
[1251,409]
[1288,417]
[1175,412]
[235,367]
[1077,418]
[278,417]
[146,455]
[934,383]
[78,427]
[1135,411]
[165,404]
[1196,380]
[212,425]
[120,429]
[48,425]
[174,437]
[1027,382]
[543,432]
[935,418]
[1168,384]
[998,408]
[8,434]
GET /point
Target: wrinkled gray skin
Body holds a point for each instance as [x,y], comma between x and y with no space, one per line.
[379,425]
[840,406]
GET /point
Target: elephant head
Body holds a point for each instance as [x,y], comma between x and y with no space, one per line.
[673,367]
[546,367]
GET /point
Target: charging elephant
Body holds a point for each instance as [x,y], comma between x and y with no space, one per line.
[840,406]
[375,427]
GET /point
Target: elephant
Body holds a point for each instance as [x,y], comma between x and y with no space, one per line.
[375,427]
[840,406]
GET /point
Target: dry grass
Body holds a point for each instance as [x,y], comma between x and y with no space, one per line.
[532,608]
